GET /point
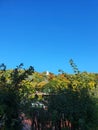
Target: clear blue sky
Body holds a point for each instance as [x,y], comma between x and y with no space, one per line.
[48,33]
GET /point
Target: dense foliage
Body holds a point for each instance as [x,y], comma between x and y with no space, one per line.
[58,98]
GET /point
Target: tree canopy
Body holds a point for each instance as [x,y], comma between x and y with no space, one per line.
[71,97]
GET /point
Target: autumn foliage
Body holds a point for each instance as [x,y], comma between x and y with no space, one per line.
[61,100]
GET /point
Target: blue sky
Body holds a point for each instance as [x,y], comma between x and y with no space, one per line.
[48,33]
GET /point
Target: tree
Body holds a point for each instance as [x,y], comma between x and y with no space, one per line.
[74,101]
[11,97]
